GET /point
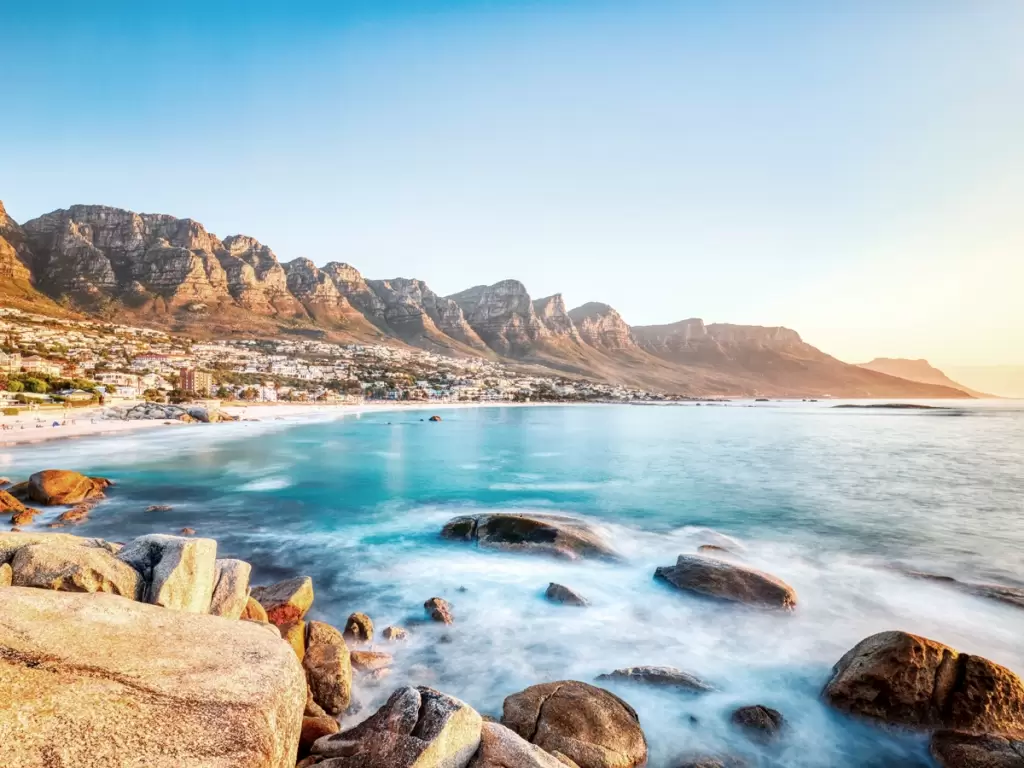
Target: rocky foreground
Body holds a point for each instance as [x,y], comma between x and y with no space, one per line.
[158,653]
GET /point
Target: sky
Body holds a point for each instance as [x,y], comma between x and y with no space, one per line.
[850,169]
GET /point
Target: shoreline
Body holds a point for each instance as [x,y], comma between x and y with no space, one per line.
[35,427]
[88,422]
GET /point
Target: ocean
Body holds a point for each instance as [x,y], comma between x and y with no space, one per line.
[837,502]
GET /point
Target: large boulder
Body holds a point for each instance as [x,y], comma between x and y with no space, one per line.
[54,487]
[69,567]
[417,727]
[665,677]
[230,588]
[10,504]
[952,749]
[556,535]
[902,679]
[328,667]
[589,725]
[10,543]
[501,747]
[179,572]
[97,680]
[721,580]
[359,628]
[286,601]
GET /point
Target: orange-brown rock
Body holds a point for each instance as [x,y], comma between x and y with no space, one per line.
[395,634]
[24,517]
[328,667]
[76,514]
[587,724]
[439,610]
[312,729]
[902,679]
[500,747]
[370,661]
[287,600]
[55,487]
[294,633]
[720,580]
[952,749]
[9,504]
[253,611]
[359,628]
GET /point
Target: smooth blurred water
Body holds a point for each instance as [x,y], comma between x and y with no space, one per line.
[827,499]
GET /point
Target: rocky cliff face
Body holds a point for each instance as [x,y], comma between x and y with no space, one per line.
[553,314]
[602,327]
[503,316]
[173,272]
[15,256]
[256,279]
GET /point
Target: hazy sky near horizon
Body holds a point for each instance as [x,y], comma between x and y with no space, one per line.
[854,170]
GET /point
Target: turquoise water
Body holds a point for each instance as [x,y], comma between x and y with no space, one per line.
[827,499]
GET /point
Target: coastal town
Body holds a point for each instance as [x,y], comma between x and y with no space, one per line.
[68,361]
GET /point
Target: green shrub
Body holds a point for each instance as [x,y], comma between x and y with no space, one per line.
[11,411]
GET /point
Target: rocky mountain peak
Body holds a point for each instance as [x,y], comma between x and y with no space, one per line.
[553,314]
[600,326]
[503,316]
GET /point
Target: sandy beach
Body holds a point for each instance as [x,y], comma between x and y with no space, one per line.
[38,426]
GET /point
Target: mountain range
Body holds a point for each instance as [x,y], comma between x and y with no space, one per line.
[918,370]
[160,270]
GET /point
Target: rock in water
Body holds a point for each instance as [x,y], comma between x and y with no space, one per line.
[501,747]
[760,723]
[286,601]
[439,610]
[417,727]
[589,725]
[714,578]
[543,534]
[10,504]
[359,628]
[231,588]
[54,487]
[952,749]
[395,634]
[69,567]
[97,680]
[179,572]
[328,667]
[902,679]
[668,677]
[557,593]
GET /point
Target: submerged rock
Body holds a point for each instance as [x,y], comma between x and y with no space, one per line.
[668,677]
[760,723]
[557,593]
[439,610]
[97,680]
[287,600]
[9,504]
[417,727]
[359,628]
[952,749]
[395,634]
[587,724]
[902,679]
[56,487]
[544,534]
[711,577]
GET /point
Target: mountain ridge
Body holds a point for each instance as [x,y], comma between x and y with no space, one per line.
[176,274]
[919,370]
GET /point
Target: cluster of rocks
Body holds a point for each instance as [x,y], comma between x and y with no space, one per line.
[214,671]
[187,414]
[52,488]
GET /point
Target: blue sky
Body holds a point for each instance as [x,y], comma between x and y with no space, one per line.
[854,170]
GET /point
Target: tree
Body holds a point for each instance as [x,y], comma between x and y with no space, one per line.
[110,389]
[15,386]
[250,393]
[177,396]
[153,396]
[37,386]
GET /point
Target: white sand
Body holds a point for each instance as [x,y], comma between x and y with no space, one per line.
[37,426]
